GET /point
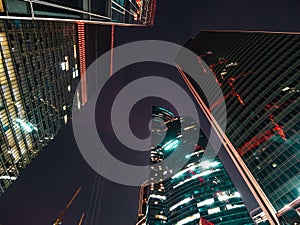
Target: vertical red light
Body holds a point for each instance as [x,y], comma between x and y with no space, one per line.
[112,43]
[152,9]
[82,61]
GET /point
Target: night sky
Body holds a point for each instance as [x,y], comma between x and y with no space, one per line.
[45,187]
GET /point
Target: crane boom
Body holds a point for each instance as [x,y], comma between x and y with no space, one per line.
[81,219]
[59,219]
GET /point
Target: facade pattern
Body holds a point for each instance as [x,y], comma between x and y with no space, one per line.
[200,193]
[259,74]
[39,73]
[134,12]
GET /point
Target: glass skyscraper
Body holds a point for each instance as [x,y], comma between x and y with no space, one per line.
[259,75]
[43,57]
[199,193]
[39,73]
[138,12]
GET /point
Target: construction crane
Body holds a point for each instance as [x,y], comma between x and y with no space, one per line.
[59,219]
[81,219]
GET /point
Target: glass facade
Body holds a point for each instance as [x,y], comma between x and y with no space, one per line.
[200,193]
[139,12]
[39,66]
[259,74]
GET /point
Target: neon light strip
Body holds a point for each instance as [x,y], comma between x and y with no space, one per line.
[82,61]
[112,49]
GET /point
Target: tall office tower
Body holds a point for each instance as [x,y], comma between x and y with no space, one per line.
[122,12]
[42,59]
[39,67]
[259,75]
[199,193]
[105,12]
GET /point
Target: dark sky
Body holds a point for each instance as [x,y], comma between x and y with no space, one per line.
[44,188]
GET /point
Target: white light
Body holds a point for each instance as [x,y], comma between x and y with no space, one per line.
[195,176]
[184,201]
[204,164]
[207,164]
[229,206]
[187,128]
[157,196]
[160,217]
[214,210]
[206,202]
[183,171]
[237,195]
[69,87]
[63,66]
[78,100]
[286,89]
[7,178]
[188,219]
[223,197]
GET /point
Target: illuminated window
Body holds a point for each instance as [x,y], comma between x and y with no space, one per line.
[184,201]
[206,202]
[188,219]
[214,210]
[66,118]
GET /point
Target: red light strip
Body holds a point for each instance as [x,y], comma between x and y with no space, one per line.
[82,61]
[261,138]
[152,13]
[254,142]
[112,43]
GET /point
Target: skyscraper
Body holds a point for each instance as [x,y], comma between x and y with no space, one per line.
[258,73]
[101,12]
[43,57]
[199,193]
[122,12]
[39,74]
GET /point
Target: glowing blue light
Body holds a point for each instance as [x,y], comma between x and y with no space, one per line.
[171,145]
[163,109]
[29,127]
